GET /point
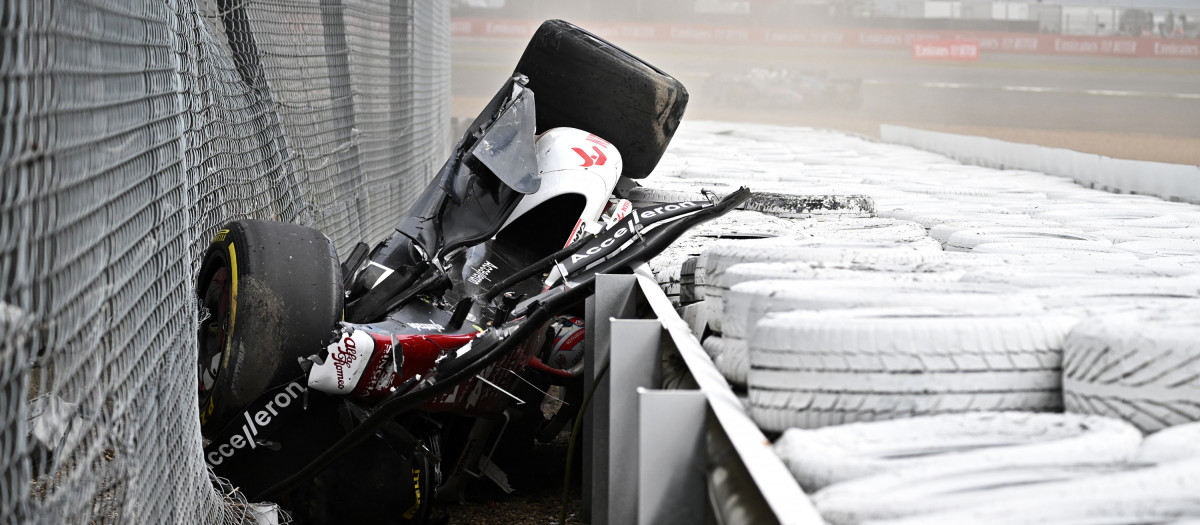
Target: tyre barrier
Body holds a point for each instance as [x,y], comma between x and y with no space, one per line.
[1145,249]
[1096,218]
[814,369]
[1125,234]
[1191,262]
[861,356]
[1080,488]
[1143,367]
[1118,295]
[941,230]
[844,254]
[869,229]
[966,240]
[1082,251]
[748,302]
[949,443]
[1171,444]
[1163,493]
[675,267]
[1077,273]
[730,356]
[714,293]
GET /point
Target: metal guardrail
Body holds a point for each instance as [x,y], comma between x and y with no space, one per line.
[669,442]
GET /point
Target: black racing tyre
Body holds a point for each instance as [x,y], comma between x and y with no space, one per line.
[376,482]
[580,80]
[270,293]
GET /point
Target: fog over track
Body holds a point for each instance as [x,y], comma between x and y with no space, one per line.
[1142,109]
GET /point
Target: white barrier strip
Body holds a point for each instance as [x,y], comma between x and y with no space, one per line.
[1176,182]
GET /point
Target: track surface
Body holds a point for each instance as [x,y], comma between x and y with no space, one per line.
[1143,109]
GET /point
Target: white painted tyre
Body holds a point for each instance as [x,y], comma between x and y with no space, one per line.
[1159,222]
[915,493]
[1171,444]
[714,295]
[670,266]
[945,444]
[722,255]
[667,274]
[1076,273]
[912,492]
[814,369]
[868,229]
[813,253]
[1083,251]
[1100,298]
[1143,367]
[963,220]
[1164,494]
[941,232]
[938,271]
[1161,248]
[750,301]
[730,357]
[747,303]
[1173,261]
[1127,215]
[967,240]
[1128,234]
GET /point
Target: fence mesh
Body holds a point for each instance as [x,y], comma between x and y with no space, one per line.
[129,132]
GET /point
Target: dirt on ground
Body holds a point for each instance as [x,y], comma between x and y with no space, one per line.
[538,497]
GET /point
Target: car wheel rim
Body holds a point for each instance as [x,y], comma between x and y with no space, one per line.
[214,329]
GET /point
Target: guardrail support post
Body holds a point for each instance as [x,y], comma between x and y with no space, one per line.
[671,461]
[635,358]
[615,297]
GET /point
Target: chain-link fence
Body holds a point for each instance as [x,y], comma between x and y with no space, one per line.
[129,132]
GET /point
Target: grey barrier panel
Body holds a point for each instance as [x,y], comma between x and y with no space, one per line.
[739,478]
[614,297]
[635,354]
[672,458]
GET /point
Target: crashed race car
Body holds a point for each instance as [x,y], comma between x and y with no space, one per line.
[407,368]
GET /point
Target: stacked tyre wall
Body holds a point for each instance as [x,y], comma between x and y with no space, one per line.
[926,341]
[131,132]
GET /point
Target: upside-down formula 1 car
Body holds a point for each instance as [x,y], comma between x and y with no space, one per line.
[404,370]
